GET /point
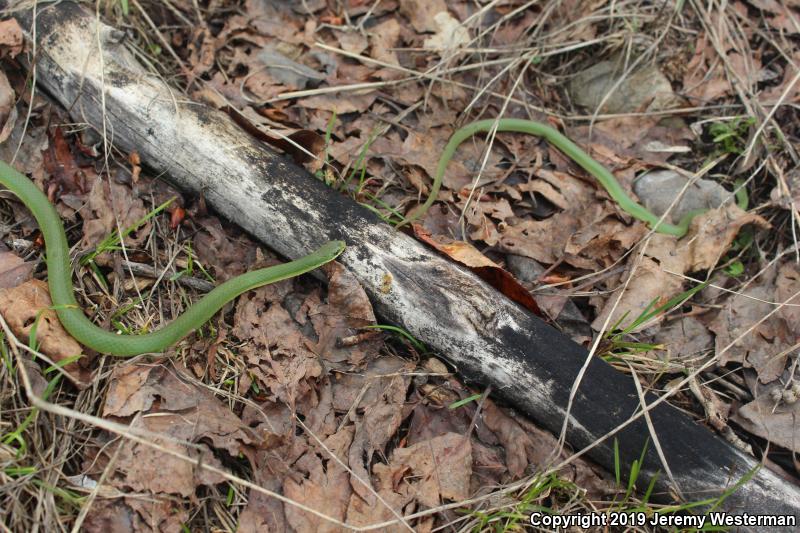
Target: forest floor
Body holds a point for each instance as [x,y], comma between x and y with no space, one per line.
[320,416]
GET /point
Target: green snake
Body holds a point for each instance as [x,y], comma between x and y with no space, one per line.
[571,150]
[84,331]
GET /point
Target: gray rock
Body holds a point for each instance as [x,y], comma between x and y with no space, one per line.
[657,190]
[644,89]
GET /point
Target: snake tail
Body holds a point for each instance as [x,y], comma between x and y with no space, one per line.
[571,150]
[71,316]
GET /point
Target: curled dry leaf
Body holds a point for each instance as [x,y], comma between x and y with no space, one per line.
[489,271]
[60,163]
[584,232]
[29,305]
[302,145]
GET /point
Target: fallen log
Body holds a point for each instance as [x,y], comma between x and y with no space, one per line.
[83,64]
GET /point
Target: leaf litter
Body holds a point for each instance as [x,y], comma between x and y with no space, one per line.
[292,386]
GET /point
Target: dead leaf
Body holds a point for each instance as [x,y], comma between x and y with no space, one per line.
[324,488]
[421,13]
[135,514]
[8,111]
[11,38]
[779,15]
[519,449]
[767,345]
[60,163]
[202,49]
[347,311]
[712,233]
[423,150]
[351,41]
[436,470]
[543,240]
[363,513]
[649,282]
[769,415]
[166,401]
[602,241]
[346,102]
[112,207]
[706,77]
[787,84]
[270,19]
[787,284]
[229,256]
[489,271]
[263,513]
[576,20]
[302,145]
[379,392]
[279,357]
[657,277]
[685,340]
[361,390]
[13,269]
[384,38]
[450,34]
[779,423]
[29,304]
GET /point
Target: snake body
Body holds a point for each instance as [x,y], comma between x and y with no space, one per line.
[571,150]
[84,331]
